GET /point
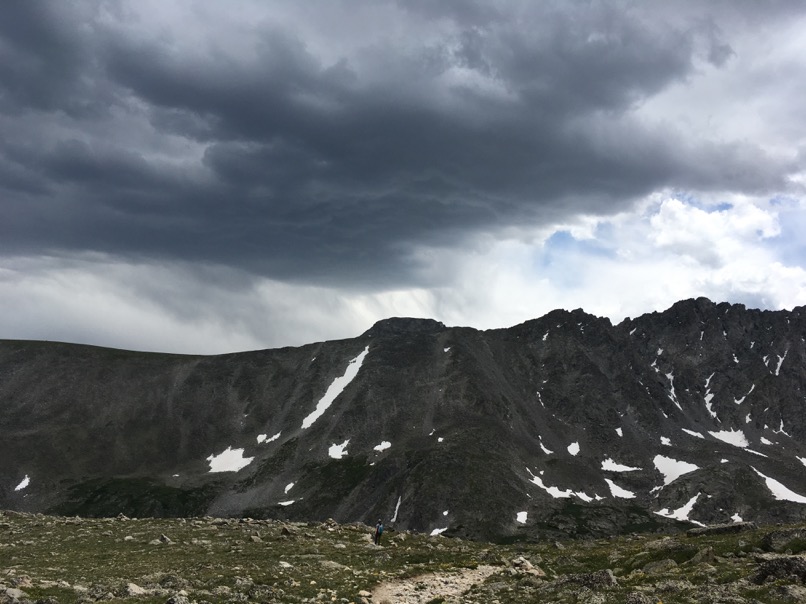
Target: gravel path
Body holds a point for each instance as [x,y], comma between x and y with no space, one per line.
[418,590]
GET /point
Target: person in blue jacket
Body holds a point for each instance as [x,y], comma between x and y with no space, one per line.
[378,532]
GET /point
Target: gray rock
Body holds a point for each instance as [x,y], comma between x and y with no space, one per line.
[790,593]
[659,566]
[595,580]
[663,543]
[132,589]
[783,567]
[779,540]
[704,556]
[721,529]
[15,593]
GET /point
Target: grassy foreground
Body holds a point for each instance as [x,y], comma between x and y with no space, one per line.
[59,559]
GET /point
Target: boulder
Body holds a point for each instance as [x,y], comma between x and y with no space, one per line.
[659,566]
[721,529]
[132,589]
[779,540]
[782,567]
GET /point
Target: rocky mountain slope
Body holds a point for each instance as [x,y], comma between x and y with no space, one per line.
[564,425]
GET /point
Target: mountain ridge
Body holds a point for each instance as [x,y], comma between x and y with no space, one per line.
[439,428]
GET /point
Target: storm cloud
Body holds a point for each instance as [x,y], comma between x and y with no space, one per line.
[332,144]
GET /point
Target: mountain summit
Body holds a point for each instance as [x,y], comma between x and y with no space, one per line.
[564,424]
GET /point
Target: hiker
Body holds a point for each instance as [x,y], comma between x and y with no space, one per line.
[378,532]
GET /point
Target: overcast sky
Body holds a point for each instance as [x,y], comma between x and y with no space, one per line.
[205,176]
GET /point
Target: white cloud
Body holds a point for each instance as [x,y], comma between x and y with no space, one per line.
[712,238]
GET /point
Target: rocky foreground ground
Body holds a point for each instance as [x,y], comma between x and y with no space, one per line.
[52,560]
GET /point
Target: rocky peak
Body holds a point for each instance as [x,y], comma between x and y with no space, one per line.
[404,325]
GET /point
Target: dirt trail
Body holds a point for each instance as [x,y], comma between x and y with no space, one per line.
[418,590]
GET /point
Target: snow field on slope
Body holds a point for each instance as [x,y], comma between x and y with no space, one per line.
[779,491]
[230,460]
[611,466]
[672,468]
[335,389]
[682,512]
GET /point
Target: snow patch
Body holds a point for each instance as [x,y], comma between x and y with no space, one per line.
[739,401]
[736,517]
[672,469]
[553,491]
[263,438]
[617,491]
[446,349]
[781,430]
[521,517]
[665,441]
[672,395]
[755,453]
[556,492]
[693,433]
[802,460]
[544,449]
[708,398]
[681,513]
[289,486]
[338,451]
[779,491]
[335,389]
[23,484]
[573,449]
[286,503]
[231,460]
[765,441]
[732,437]
[780,362]
[611,466]
[438,531]
[397,509]
[619,432]
[383,446]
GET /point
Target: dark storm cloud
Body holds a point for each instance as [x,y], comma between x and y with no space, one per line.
[295,165]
